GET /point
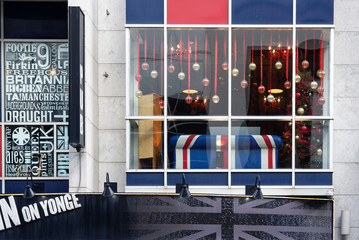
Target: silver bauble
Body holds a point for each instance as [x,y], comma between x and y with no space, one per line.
[313,85]
[154,74]
[196,66]
[138,93]
[278,65]
[297,78]
[181,76]
[215,99]
[270,98]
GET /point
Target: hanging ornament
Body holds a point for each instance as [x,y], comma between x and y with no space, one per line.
[320,73]
[244,83]
[138,77]
[252,65]
[138,93]
[171,68]
[235,72]
[305,63]
[205,82]
[313,85]
[319,152]
[145,65]
[195,66]
[278,65]
[181,74]
[225,64]
[261,89]
[270,98]
[320,89]
[188,99]
[300,111]
[215,99]
[297,78]
[154,74]
[162,104]
[321,101]
[287,84]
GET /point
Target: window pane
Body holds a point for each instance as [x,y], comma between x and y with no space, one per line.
[197,145]
[197,72]
[262,72]
[312,144]
[35,20]
[36,82]
[146,73]
[146,144]
[262,144]
[312,67]
[29,149]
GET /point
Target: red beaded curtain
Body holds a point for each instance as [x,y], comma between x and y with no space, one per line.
[197,12]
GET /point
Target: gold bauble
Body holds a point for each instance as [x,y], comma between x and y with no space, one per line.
[320,73]
[138,93]
[235,72]
[215,99]
[196,66]
[297,136]
[300,111]
[154,74]
[252,66]
[181,76]
[297,78]
[313,85]
[278,65]
[290,124]
[270,98]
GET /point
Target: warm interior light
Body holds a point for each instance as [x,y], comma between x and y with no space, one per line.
[190,91]
[275,90]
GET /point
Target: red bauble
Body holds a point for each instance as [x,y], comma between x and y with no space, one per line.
[145,66]
[244,83]
[138,77]
[287,84]
[319,131]
[261,89]
[171,68]
[305,64]
[321,101]
[304,128]
[205,82]
[162,104]
[320,89]
[225,66]
[297,95]
[188,99]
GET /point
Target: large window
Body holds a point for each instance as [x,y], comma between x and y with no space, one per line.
[35,105]
[229,101]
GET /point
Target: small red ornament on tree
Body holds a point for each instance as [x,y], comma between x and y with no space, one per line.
[304,128]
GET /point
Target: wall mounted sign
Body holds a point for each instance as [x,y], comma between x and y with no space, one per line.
[77,77]
[126,216]
[36,82]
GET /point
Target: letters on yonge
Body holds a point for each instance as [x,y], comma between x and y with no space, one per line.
[31,149]
[36,82]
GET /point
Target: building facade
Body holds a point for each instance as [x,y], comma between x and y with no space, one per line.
[166,83]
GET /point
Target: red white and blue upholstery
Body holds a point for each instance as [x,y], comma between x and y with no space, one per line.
[248,151]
